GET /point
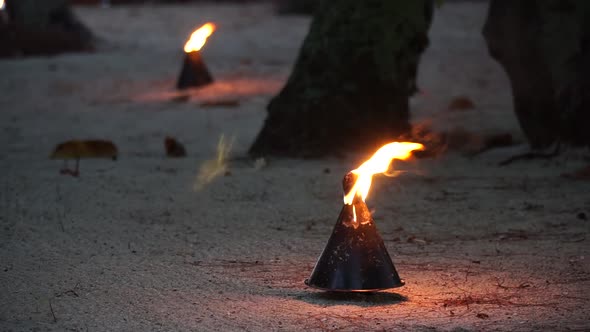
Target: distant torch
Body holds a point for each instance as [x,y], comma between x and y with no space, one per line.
[194,73]
[3,14]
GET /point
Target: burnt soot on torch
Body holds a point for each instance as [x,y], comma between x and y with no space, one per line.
[355,258]
[194,73]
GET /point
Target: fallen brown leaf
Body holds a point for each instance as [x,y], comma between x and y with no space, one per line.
[579,174]
[460,103]
[221,103]
[79,149]
[174,149]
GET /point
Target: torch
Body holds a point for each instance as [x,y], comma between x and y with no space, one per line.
[355,258]
[3,14]
[194,73]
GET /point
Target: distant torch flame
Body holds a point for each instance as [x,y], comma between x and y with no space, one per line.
[2,5]
[198,37]
[378,163]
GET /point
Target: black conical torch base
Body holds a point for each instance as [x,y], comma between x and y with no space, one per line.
[194,73]
[355,258]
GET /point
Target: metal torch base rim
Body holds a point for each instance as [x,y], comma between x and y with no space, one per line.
[402,283]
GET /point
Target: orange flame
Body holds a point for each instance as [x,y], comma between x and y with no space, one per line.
[378,163]
[198,37]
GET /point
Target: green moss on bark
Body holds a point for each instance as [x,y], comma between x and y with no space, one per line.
[350,84]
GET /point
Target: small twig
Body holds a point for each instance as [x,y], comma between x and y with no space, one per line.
[52,313]
[490,300]
[58,201]
[532,155]
[585,299]
[582,239]
[521,286]
[71,291]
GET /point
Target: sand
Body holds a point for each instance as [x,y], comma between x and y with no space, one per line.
[132,245]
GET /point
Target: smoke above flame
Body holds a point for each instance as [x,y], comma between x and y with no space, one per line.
[198,37]
[378,163]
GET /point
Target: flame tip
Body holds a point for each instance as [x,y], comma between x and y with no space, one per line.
[199,37]
[378,163]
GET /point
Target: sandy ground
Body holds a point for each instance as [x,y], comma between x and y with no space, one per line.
[131,245]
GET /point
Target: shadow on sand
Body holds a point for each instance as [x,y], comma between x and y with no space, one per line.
[358,299]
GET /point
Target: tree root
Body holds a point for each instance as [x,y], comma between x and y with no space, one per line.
[532,155]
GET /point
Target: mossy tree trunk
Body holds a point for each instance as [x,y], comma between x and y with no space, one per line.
[42,27]
[544,47]
[304,7]
[35,13]
[350,85]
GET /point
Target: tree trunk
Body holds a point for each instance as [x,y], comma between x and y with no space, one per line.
[350,85]
[304,7]
[42,27]
[544,47]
